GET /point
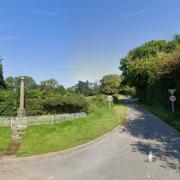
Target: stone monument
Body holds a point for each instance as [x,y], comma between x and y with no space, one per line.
[21,110]
[20,123]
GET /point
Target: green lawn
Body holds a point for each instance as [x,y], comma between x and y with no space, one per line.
[5,138]
[48,138]
[172,119]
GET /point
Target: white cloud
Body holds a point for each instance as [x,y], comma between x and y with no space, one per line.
[47,13]
[9,38]
[134,13]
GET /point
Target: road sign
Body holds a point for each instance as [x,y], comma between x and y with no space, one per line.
[172,98]
[110,98]
[172,91]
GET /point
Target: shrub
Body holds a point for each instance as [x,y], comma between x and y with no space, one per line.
[115,98]
[65,104]
[8,103]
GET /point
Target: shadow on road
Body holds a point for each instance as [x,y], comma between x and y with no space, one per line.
[153,135]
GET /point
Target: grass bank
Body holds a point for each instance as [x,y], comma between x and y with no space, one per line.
[5,138]
[173,119]
[49,138]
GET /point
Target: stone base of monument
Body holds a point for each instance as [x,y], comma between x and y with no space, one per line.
[21,113]
[18,130]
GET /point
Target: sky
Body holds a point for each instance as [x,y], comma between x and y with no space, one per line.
[72,40]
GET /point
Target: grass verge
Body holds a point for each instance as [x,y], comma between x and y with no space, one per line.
[173,119]
[49,138]
[5,138]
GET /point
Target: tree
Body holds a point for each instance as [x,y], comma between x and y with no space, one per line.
[60,89]
[83,88]
[140,64]
[49,84]
[13,83]
[10,83]
[110,84]
[86,88]
[174,44]
[2,83]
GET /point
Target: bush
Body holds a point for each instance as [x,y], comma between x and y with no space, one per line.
[100,100]
[8,103]
[127,90]
[115,98]
[39,103]
[65,104]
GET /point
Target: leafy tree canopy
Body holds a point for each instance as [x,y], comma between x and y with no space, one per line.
[110,84]
[2,83]
[13,83]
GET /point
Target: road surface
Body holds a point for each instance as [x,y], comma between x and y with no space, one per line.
[144,148]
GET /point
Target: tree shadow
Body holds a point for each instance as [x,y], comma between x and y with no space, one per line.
[153,135]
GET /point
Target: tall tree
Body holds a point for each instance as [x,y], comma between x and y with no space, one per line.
[49,84]
[2,83]
[110,84]
[10,83]
[140,64]
[13,83]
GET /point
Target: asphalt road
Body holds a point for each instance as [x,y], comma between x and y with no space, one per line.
[121,155]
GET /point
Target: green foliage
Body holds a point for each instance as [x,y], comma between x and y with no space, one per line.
[110,84]
[147,50]
[127,90]
[142,73]
[47,138]
[49,84]
[2,83]
[140,64]
[65,104]
[8,103]
[60,89]
[166,115]
[13,83]
[99,100]
[34,102]
[10,83]
[39,102]
[86,88]
[5,138]
[115,98]
[152,69]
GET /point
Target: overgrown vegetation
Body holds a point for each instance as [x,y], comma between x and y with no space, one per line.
[152,69]
[39,103]
[5,138]
[166,115]
[110,84]
[47,138]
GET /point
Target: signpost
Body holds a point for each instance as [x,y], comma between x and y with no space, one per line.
[172,98]
[110,99]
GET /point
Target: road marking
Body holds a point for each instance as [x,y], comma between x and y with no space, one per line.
[150,156]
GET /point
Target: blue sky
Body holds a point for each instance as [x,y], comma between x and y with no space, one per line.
[73,40]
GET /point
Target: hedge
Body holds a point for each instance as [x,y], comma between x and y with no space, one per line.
[40,103]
